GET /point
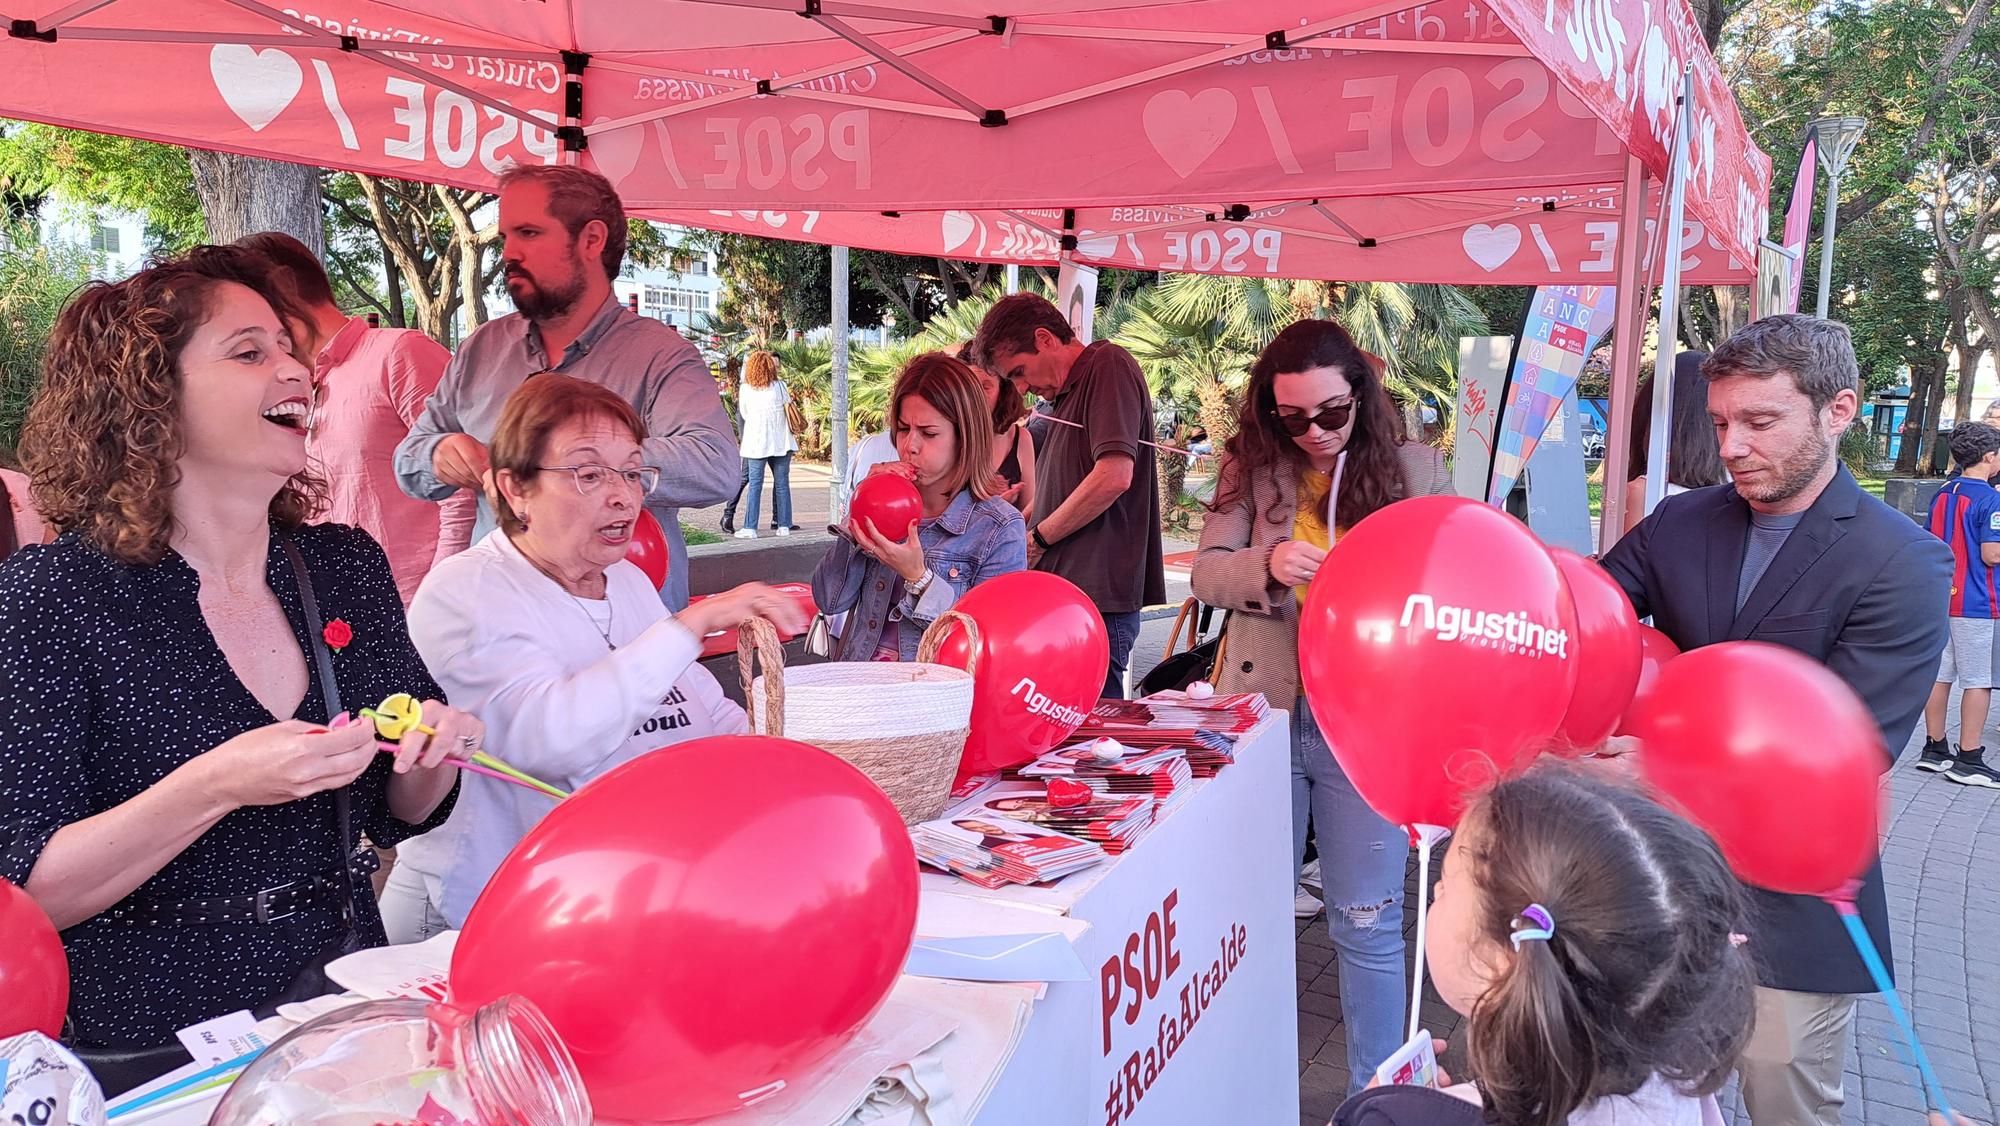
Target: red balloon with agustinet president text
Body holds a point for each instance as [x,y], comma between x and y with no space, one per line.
[1039,666]
[1437,648]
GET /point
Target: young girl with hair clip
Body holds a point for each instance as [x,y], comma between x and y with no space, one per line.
[1591,936]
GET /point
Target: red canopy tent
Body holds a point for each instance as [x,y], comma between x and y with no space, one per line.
[1481,141]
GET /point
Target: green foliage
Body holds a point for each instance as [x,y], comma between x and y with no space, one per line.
[1857,449]
[1196,336]
[137,176]
[36,281]
[1931,119]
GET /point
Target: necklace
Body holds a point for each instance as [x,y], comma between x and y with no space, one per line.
[610,608]
[610,616]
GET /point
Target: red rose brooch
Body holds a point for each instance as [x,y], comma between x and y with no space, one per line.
[337,634]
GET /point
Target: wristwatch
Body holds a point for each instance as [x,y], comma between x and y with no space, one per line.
[916,590]
[1036,535]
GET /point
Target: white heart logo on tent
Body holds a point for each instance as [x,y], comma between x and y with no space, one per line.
[257,85]
[1103,246]
[617,152]
[1490,247]
[959,227]
[1186,129]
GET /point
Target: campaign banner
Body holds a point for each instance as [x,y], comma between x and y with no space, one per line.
[1482,375]
[1798,221]
[1076,296]
[1563,325]
[1777,285]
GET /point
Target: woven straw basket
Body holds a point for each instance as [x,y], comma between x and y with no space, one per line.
[902,724]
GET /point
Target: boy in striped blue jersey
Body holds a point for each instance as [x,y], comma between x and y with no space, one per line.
[1966,516]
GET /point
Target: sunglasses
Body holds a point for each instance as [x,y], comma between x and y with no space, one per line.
[1329,420]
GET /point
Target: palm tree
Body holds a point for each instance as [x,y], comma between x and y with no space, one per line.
[1414,328]
[1194,360]
[871,375]
[807,369]
[958,323]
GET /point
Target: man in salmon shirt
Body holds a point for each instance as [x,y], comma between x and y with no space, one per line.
[370,385]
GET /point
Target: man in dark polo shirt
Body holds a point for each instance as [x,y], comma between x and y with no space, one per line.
[1096,520]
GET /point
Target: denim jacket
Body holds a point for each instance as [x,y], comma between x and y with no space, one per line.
[969,542]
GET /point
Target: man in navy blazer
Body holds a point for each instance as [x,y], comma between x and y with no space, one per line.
[1793,552]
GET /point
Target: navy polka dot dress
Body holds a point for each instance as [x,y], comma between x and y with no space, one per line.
[110,679]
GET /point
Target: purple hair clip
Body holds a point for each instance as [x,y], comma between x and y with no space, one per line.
[1544,927]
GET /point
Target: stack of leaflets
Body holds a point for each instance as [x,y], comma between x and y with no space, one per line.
[1205,729]
[1115,823]
[996,851]
[1162,774]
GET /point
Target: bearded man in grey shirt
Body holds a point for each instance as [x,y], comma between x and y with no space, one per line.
[564,230]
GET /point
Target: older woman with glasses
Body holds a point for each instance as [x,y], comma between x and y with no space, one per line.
[545,632]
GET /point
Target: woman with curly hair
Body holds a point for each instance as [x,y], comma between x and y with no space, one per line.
[170,791]
[1315,410]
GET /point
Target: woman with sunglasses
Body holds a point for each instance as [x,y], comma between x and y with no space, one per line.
[545,632]
[1316,409]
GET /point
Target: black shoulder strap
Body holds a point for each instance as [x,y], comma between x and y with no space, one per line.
[343,804]
[7,532]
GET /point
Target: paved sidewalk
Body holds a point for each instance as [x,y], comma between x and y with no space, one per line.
[809,501]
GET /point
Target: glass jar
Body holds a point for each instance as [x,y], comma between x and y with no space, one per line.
[413,1062]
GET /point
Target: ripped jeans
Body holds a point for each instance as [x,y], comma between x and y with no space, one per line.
[1362,861]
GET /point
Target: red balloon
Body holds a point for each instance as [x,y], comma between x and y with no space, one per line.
[1607,653]
[889,502]
[701,923]
[34,971]
[1041,664]
[1437,648]
[648,548]
[1655,650]
[1772,754]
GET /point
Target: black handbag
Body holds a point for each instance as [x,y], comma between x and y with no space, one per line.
[118,1070]
[1201,658]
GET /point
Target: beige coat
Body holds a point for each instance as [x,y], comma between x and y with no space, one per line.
[1233,571]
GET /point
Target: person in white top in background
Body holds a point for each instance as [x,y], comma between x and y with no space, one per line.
[766,442]
[561,646]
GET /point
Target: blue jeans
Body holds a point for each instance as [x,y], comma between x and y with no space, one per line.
[1122,629]
[1362,862]
[781,490]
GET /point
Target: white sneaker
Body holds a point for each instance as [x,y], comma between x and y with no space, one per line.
[1304,904]
[1309,875]
[781,532]
[746,533]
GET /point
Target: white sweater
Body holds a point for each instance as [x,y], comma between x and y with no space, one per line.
[1655,1104]
[766,431]
[513,648]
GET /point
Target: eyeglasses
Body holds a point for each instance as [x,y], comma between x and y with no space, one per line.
[590,478]
[1329,420]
